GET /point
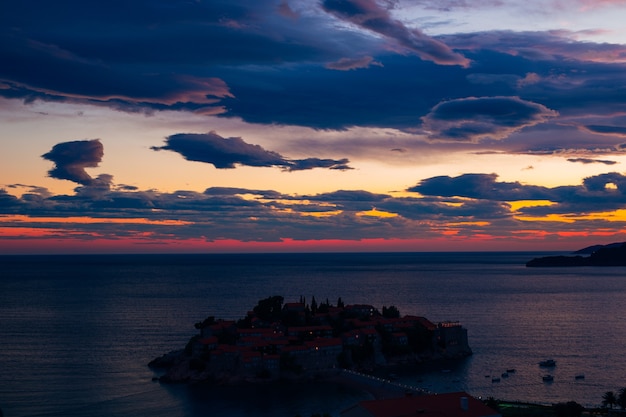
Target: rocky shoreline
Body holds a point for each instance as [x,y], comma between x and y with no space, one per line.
[600,255]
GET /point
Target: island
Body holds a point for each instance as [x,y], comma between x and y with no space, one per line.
[613,254]
[300,340]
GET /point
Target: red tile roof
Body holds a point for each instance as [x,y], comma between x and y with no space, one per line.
[209,340]
[325,342]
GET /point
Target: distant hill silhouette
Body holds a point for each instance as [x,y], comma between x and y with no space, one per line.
[613,254]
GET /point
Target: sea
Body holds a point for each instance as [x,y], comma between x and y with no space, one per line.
[77,332]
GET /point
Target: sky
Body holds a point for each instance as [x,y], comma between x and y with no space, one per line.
[156,126]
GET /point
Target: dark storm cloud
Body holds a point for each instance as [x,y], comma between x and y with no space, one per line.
[476,118]
[368,14]
[71,159]
[229,152]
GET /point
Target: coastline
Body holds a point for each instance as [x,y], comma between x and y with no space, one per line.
[376,388]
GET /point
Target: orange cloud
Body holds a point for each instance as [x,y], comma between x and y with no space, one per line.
[376,213]
[608,216]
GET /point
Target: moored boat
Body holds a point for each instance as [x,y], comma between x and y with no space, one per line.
[548,363]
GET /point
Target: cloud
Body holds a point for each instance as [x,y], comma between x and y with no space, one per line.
[369,15]
[468,206]
[228,152]
[347,64]
[591,161]
[480,186]
[229,191]
[548,5]
[70,77]
[310,163]
[154,57]
[8,202]
[477,118]
[529,79]
[285,10]
[552,45]
[71,159]
[604,192]
[247,60]
[607,130]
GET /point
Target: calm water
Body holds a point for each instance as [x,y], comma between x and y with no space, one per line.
[77,332]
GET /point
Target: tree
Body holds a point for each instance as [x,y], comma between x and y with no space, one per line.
[269,309]
[205,323]
[621,398]
[609,399]
[391,312]
[568,409]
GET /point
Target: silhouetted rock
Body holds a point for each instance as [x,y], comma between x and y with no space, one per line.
[613,254]
[558,261]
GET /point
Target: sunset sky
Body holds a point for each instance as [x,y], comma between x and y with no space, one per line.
[311,125]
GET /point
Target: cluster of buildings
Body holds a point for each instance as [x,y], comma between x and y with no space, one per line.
[304,341]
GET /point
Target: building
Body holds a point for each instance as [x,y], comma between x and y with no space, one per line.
[454,404]
[450,339]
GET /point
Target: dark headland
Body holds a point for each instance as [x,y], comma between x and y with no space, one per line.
[304,341]
[613,254]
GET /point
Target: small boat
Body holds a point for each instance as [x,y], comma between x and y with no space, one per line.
[495,379]
[505,375]
[579,376]
[547,378]
[548,363]
[510,371]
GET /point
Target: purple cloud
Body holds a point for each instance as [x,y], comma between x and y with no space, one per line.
[476,118]
[480,186]
[228,152]
[587,161]
[605,192]
[548,45]
[71,159]
[369,15]
[606,130]
[347,64]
